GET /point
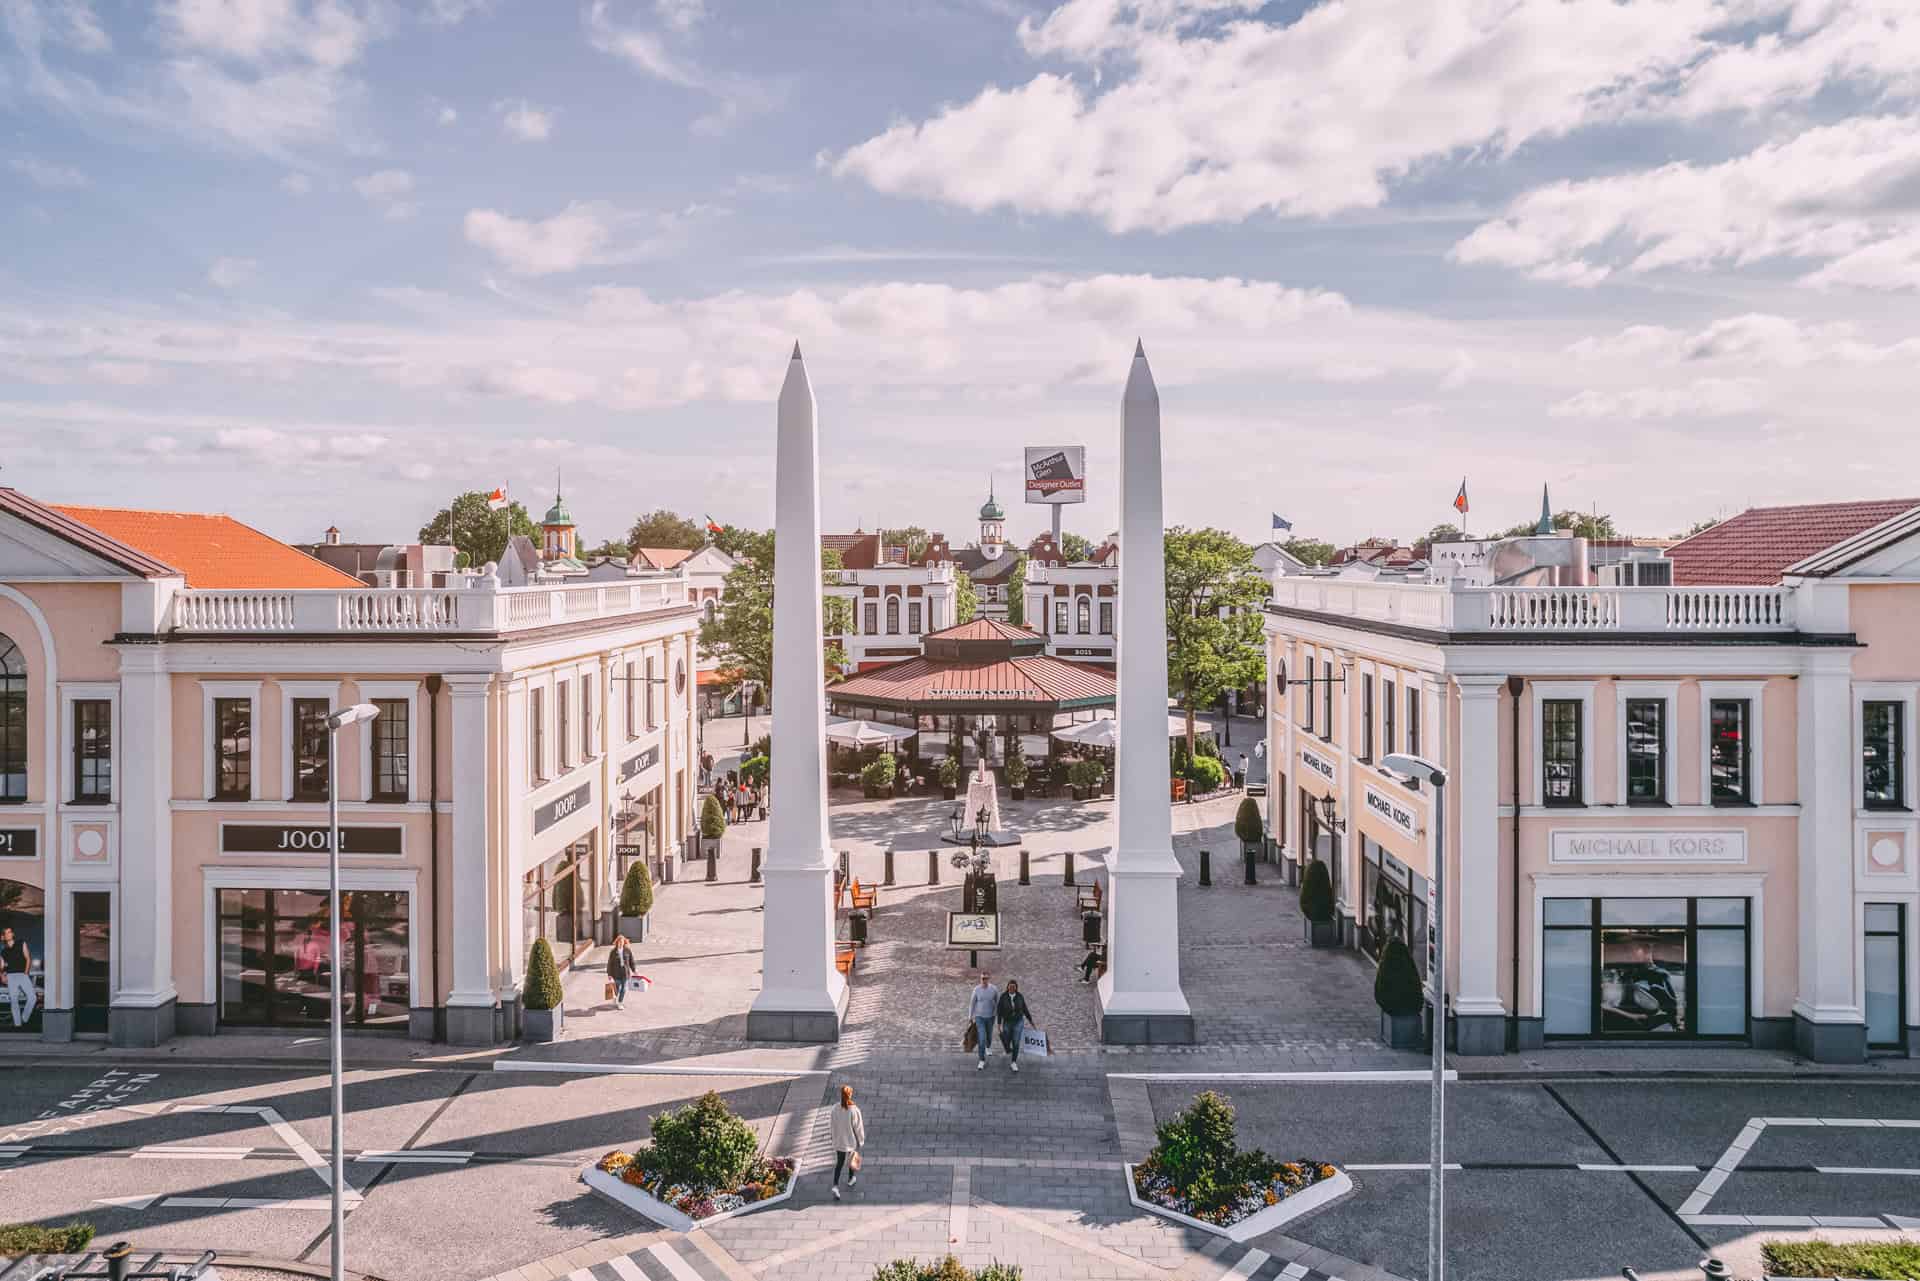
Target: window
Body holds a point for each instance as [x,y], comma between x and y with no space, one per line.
[273,957]
[1060,618]
[1084,616]
[310,749]
[1413,722]
[893,615]
[1886,973]
[1646,751]
[1882,762]
[1387,709]
[1326,698]
[1646,968]
[1306,696]
[913,617]
[537,734]
[13,723]
[563,722]
[92,751]
[633,726]
[653,718]
[586,719]
[870,614]
[392,735]
[233,749]
[1106,618]
[1364,747]
[1729,759]
[1560,751]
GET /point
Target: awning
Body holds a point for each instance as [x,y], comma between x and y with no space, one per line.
[867,733]
[1106,731]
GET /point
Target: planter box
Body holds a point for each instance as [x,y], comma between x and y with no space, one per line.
[543,1025]
[1323,933]
[1323,1193]
[1402,1031]
[709,846]
[949,790]
[615,1189]
[1019,791]
[634,927]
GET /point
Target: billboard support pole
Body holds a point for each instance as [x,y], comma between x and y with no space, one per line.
[1056,523]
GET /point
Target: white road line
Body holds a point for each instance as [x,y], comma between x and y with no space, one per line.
[672,1262]
[1865,1169]
[188,1152]
[128,1202]
[1846,1221]
[1399,1165]
[581,1274]
[1377,1077]
[1249,1264]
[648,1069]
[626,1269]
[1293,1271]
[415,1156]
[1641,1169]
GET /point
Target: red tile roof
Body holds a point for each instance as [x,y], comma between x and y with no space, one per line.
[1754,548]
[660,557]
[62,526]
[210,551]
[980,629]
[1040,679]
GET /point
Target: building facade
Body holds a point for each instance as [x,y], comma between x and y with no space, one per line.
[892,602]
[165,763]
[1674,813]
[1075,605]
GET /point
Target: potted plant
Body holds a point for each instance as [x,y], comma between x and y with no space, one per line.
[541,997]
[754,770]
[1248,826]
[949,776]
[1017,774]
[1396,990]
[1316,904]
[876,780]
[713,825]
[1204,774]
[636,900]
[1085,778]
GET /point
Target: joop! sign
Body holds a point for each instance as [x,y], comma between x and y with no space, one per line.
[1729,846]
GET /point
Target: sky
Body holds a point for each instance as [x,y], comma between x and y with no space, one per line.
[317,262]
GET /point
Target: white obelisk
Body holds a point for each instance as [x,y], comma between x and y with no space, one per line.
[1140,997]
[802,995]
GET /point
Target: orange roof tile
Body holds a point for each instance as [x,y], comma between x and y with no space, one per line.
[661,557]
[210,551]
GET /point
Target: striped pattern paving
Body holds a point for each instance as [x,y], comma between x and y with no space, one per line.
[661,1261]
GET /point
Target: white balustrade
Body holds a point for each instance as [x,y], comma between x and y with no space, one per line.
[388,610]
[1459,608]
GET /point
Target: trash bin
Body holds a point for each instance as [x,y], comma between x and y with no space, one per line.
[857,927]
[1239,778]
[1090,927]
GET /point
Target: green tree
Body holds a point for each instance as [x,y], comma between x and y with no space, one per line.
[741,632]
[1074,547]
[1311,551]
[912,537]
[663,528]
[1017,594]
[476,532]
[636,892]
[542,990]
[1701,526]
[737,542]
[966,601]
[1583,525]
[1213,621]
[611,549]
[1445,532]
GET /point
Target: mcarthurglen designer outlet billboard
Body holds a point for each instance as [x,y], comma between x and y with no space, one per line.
[1056,473]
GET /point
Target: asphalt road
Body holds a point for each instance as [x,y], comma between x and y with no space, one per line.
[462,1174]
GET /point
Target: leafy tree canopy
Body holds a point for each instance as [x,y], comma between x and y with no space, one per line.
[1445,532]
[1074,547]
[1017,594]
[966,601]
[1699,526]
[663,528]
[1583,525]
[1213,621]
[912,537]
[741,631]
[1311,551]
[611,549]
[476,532]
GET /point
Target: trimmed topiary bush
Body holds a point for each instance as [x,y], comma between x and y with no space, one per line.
[1247,823]
[1206,747]
[755,770]
[703,1144]
[1396,984]
[636,892]
[713,820]
[542,990]
[1316,893]
[1205,774]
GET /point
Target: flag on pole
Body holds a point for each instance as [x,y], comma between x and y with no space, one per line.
[1460,499]
[497,499]
[1281,522]
[713,526]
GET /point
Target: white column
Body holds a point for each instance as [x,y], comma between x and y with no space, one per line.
[516,834]
[1473,790]
[1828,1022]
[143,1006]
[1140,996]
[802,994]
[470,1003]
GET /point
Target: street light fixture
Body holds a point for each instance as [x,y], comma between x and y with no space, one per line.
[336,1180]
[1426,771]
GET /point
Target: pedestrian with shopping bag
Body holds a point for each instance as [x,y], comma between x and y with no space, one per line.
[983,1007]
[620,968]
[1014,1016]
[849,1136]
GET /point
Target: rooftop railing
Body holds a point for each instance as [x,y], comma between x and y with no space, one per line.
[395,610]
[1459,608]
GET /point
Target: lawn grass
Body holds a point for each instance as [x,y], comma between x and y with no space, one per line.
[1872,1260]
[31,1238]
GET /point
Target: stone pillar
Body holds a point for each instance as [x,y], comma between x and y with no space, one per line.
[470,1003]
[1474,882]
[802,996]
[1140,998]
[144,1006]
[1829,1025]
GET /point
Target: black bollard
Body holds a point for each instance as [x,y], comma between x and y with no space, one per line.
[713,863]
[933,867]
[753,870]
[887,879]
[1251,878]
[1206,867]
[1069,867]
[846,865]
[1025,877]
[119,1259]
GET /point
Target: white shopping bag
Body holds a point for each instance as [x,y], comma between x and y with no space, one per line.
[639,983]
[1033,1042]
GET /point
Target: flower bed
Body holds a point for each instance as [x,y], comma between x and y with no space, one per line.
[625,1177]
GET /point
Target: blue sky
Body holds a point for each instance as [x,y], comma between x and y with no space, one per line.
[331,261]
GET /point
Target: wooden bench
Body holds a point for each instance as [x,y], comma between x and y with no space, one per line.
[864,897]
[839,892]
[843,958]
[1087,898]
[1179,789]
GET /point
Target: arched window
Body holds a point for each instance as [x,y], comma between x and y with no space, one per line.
[712,607]
[13,723]
[893,615]
[1086,615]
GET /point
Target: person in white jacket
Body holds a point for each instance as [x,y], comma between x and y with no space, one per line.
[849,1136]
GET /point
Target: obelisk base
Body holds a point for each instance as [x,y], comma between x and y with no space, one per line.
[803,996]
[1139,996]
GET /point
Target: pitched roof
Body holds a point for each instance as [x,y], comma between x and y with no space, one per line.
[208,550]
[58,523]
[1842,555]
[980,629]
[660,557]
[1039,679]
[1756,547]
[980,569]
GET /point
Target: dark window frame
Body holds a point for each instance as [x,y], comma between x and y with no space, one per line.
[1389,703]
[15,754]
[390,751]
[1899,934]
[233,750]
[1326,699]
[1744,796]
[1550,738]
[1658,755]
[537,733]
[586,722]
[312,748]
[92,761]
[870,618]
[893,615]
[563,723]
[1083,616]
[916,618]
[1894,795]
[1596,928]
[1363,747]
[633,729]
[1106,618]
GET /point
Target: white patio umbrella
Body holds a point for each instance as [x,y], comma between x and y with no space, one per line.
[1104,732]
[853,733]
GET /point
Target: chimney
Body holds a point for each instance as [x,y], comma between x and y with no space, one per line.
[333,535]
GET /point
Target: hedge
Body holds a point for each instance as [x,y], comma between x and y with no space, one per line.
[31,1238]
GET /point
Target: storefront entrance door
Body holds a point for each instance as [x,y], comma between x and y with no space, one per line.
[92,961]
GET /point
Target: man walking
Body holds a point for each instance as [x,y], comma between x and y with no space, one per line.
[16,962]
[983,1009]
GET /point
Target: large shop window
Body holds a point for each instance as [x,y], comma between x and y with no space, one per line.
[1646,751]
[233,753]
[92,751]
[23,911]
[1645,968]
[1560,751]
[1886,957]
[1395,897]
[557,902]
[310,748]
[1729,752]
[1882,752]
[391,736]
[276,966]
[13,723]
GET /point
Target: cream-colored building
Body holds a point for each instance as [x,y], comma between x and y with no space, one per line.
[164,767]
[1680,812]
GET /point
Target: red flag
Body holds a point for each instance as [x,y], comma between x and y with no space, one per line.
[497,499]
[1460,499]
[713,527]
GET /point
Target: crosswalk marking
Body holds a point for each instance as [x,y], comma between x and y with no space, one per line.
[672,1262]
[627,1269]
[1250,1263]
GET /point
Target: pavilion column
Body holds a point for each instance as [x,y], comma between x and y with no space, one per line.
[1140,997]
[802,995]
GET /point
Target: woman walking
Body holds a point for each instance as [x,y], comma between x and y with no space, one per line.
[620,968]
[849,1136]
[1014,1016]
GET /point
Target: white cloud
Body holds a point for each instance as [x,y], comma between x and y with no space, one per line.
[276,448]
[446,116]
[1459,373]
[535,382]
[296,184]
[681,15]
[524,121]
[652,54]
[584,234]
[1702,398]
[231,273]
[1754,339]
[389,191]
[449,13]
[46,175]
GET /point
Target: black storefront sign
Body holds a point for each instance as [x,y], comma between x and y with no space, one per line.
[561,806]
[307,838]
[19,842]
[639,762]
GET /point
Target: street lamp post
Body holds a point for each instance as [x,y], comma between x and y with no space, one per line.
[1425,770]
[336,1180]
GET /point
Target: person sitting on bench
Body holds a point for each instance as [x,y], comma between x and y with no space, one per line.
[1090,963]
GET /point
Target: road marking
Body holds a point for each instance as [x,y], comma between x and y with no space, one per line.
[670,1260]
[1400,1165]
[1358,1077]
[1693,1210]
[188,1152]
[1640,1169]
[1293,1272]
[415,1156]
[958,1204]
[1865,1169]
[626,1269]
[648,1069]
[128,1202]
[1250,1263]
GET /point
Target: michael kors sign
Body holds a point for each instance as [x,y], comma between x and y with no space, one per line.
[1317,763]
[1729,846]
[1390,811]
